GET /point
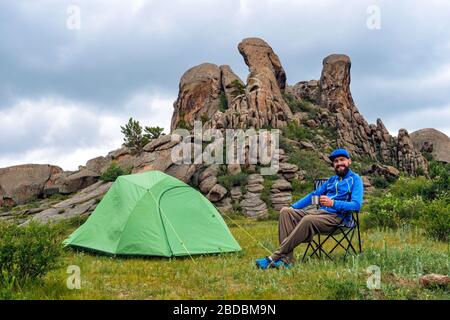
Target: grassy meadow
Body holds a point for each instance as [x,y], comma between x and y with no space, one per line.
[401,254]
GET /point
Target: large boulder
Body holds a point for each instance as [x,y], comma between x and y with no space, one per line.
[433,141]
[68,182]
[22,183]
[98,164]
[198,96]
[258,55]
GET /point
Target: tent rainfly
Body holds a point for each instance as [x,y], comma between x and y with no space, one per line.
[154,214]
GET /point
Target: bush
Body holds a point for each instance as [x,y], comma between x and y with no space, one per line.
[440,173]
[113,172]
[436,219]
[238,86]
[380,182]
[393,211]
[406,187]
[27,253]
[265,194]
[229,180]
[299,105]
[223,102]
[413,201]
[296,132]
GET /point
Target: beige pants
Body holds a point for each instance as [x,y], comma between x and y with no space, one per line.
[296,226]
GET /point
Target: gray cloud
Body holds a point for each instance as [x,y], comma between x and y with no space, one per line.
[141,48]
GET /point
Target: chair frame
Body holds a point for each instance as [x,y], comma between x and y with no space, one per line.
[347,232]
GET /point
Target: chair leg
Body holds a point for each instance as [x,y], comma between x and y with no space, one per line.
[320,245]
[321,250]
[315,246]
[359,233]
[359,238]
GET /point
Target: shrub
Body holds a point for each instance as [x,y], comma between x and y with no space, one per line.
[296,132]
[223,102]
[393,211]
[440,174]
[239,87]
[292,102]
[113,172]
[299,105]
[380,182]
[412,201]
[27,253]
[229,180]
[265,194]
[436,219]
[406,187]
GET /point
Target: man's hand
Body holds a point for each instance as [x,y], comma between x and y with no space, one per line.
[325,201]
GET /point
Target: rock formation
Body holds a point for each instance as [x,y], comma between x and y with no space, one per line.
[280,194]
[337,110]
[23,183]
[252,205]
[432,141]
[257,104]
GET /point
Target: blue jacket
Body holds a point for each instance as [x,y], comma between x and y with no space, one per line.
[347,193]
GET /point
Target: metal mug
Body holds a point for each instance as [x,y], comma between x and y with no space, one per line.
[315,200]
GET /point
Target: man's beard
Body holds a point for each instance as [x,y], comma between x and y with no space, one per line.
[341,173]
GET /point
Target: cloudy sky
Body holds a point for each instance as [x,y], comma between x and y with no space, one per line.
[67,84]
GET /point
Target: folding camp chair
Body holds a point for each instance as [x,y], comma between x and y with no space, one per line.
[345,242]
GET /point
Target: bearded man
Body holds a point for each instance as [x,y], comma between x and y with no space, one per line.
[338,196]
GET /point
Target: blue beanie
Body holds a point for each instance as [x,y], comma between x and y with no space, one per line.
[339,152]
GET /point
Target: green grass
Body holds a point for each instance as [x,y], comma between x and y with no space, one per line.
[402,255]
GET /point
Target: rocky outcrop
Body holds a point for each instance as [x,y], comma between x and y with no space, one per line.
[252,205]
[408,158]
[336,109]
[198,95]
[22,183]
[82,203]
[257,104]
[70,182]
[280,194]
[289,171]
[383,171]
[432,141]
[259,55]
[306,90]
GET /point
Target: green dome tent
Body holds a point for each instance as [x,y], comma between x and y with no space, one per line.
[154,214]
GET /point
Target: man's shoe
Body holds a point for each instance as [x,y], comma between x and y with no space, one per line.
[263,263]
[280,263]
[266,263]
